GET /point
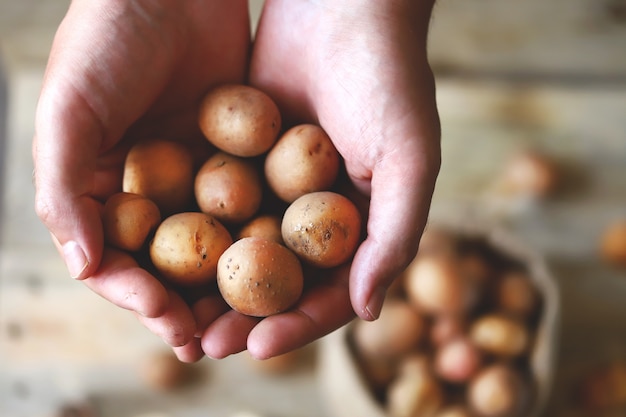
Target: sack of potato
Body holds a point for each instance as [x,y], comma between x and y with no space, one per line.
[468,330]
[252,219]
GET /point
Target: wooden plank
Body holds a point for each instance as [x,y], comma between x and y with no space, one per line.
[580,39]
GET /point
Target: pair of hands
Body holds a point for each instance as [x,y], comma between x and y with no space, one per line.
[123,70]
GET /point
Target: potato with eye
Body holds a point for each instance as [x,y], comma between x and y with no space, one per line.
[161,170]
[259,277]
[239,119]
[228,188]
[322,228]
[302,161]
[186,248]
[128,219]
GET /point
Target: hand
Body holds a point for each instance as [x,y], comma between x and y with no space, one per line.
[120,71]
[360,70]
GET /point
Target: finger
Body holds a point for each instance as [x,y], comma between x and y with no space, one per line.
[189,353]
[206,310]
[176,326]
[227,335]
[323,309]
[401,191]
[122,282]
[65,163]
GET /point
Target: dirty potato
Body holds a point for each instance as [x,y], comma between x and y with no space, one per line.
[322,228]
[259,277]
[186,247]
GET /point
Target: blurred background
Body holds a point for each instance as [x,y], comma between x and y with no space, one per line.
[532,97]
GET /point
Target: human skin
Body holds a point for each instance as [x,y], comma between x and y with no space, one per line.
[357,67]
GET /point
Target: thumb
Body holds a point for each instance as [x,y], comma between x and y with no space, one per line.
[65,148]
[401,190]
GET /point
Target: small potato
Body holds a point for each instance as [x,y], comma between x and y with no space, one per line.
[437,285]
[266,226]
[259,277]
[530,174]
[457,360]
[162,171]
[128,219]
[500,335]
[437,241]
[516,294]
[228,188]
[613,244]
[163,371]
[239,119]
[397,331]
[304,160]
[322,228]
[186,247]
[454,411]
[445,328]
[415,394]
[498,391]
[603,387]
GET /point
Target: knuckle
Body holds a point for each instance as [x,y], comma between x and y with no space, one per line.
[47,208]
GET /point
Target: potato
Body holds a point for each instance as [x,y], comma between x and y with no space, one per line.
[454,411]
[445,328]
[259,277]
[603,387]
[163,371]
[457,360]
[437,241]
[128,219]
[322,228]
[162,171]
[613,243]
[266,226]
[397,331]
[304,160]
[415,394]
[516,294]
[500,335]
[186,247]
[437,285]
[530,173]
[239,119]
[228,188]
[498,391]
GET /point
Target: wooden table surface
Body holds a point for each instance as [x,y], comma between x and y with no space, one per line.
[60,343]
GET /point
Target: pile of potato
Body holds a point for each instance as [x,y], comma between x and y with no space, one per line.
[260,213]
[455,336]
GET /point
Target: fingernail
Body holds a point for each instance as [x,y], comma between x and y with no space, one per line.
[75,259]
[375,303]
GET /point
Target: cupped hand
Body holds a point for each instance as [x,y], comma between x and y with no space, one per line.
[360,70]
[120,71]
